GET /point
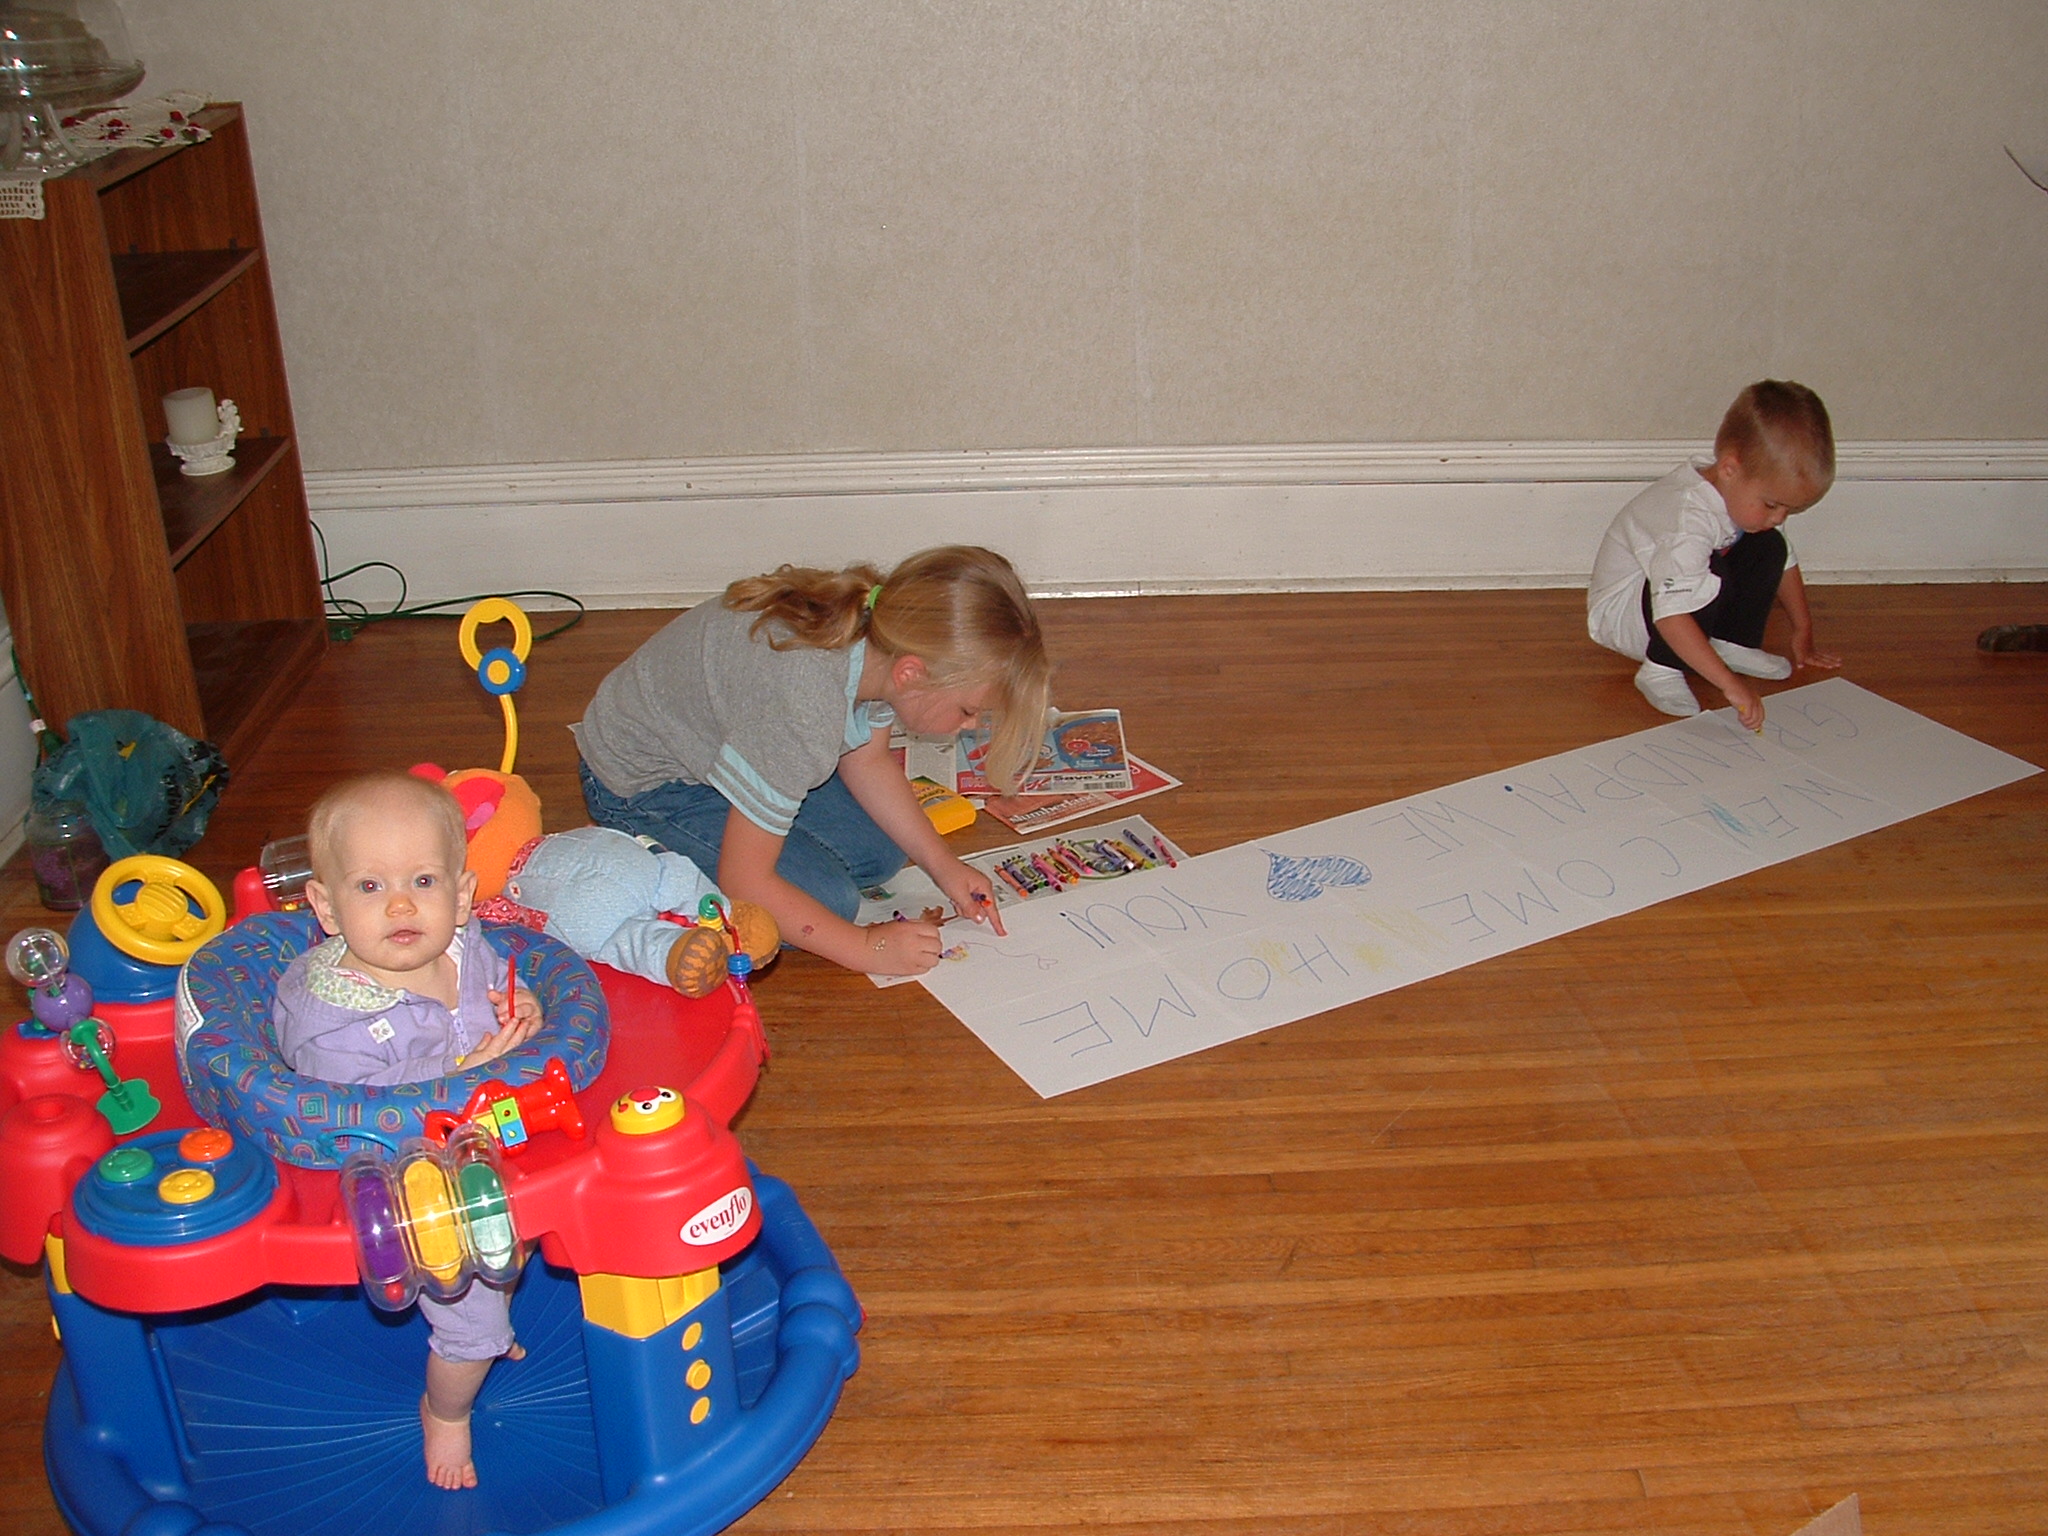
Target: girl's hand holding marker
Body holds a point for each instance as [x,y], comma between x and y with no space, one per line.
[766,714]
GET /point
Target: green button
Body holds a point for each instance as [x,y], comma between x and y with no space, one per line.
[127,1165]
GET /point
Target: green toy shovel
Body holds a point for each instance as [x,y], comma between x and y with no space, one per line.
[128,1105]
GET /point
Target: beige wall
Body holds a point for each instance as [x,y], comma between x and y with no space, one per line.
[512,231]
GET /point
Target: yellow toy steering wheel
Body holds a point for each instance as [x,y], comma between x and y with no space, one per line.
[159,924]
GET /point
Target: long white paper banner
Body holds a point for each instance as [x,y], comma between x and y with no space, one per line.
[1108,979]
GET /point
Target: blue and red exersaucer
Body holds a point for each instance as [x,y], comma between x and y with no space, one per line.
[687,1334]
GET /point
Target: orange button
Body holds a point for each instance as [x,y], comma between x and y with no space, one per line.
[205,1145]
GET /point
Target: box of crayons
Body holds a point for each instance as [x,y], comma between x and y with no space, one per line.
[1046,865]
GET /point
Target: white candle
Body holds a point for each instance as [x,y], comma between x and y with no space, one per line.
[191,415]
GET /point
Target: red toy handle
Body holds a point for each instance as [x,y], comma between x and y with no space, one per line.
[512,1115]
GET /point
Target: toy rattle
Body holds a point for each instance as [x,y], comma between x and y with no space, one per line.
[40,960]
[431,1220]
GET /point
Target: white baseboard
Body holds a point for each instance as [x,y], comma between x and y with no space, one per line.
[1121,521]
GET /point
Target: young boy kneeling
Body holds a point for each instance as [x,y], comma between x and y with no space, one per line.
[1689,569]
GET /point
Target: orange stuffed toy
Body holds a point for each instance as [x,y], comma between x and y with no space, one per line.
[605,894]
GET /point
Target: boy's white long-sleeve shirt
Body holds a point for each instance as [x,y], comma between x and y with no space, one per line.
[1664,536]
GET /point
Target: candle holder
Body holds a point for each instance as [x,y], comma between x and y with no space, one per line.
[216,454]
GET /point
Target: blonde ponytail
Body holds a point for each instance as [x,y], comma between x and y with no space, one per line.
[961,609]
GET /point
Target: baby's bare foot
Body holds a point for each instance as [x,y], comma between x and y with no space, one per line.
[448,1450]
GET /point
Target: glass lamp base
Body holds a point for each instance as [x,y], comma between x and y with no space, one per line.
[33,141]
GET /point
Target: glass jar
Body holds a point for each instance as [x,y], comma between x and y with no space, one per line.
[65,852]
[287,864]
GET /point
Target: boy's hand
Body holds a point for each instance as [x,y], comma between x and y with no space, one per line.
[1749,709]
[1804,655]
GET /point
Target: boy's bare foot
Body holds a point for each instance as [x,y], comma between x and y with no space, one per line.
[448,1450]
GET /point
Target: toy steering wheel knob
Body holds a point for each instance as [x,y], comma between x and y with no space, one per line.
[158,911]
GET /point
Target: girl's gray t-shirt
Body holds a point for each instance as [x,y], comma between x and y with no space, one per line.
[704,701]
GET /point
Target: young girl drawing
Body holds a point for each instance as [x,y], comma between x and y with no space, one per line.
[752,735]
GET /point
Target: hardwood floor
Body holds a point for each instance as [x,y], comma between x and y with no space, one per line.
[1695,1221]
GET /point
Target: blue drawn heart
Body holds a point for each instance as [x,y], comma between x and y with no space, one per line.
[1292,879]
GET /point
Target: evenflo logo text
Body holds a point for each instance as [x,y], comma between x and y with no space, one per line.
[720,1219]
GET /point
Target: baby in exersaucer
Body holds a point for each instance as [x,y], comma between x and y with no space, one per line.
[407,989]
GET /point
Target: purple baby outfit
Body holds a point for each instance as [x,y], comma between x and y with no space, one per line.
[337,1024]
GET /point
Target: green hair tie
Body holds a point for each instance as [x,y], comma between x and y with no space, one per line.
[874,596]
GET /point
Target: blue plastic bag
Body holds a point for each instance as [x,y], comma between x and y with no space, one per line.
[147,787]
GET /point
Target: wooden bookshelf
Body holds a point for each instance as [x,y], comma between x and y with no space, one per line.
[130,584]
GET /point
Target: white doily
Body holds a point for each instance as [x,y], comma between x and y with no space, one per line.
[132,125]
[147,124]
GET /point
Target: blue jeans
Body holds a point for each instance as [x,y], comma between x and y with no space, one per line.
[833,852]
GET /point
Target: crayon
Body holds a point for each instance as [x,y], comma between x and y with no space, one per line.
[1019,874]
[1108,851]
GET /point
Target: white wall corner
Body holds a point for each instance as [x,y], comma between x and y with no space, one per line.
[1101,521]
